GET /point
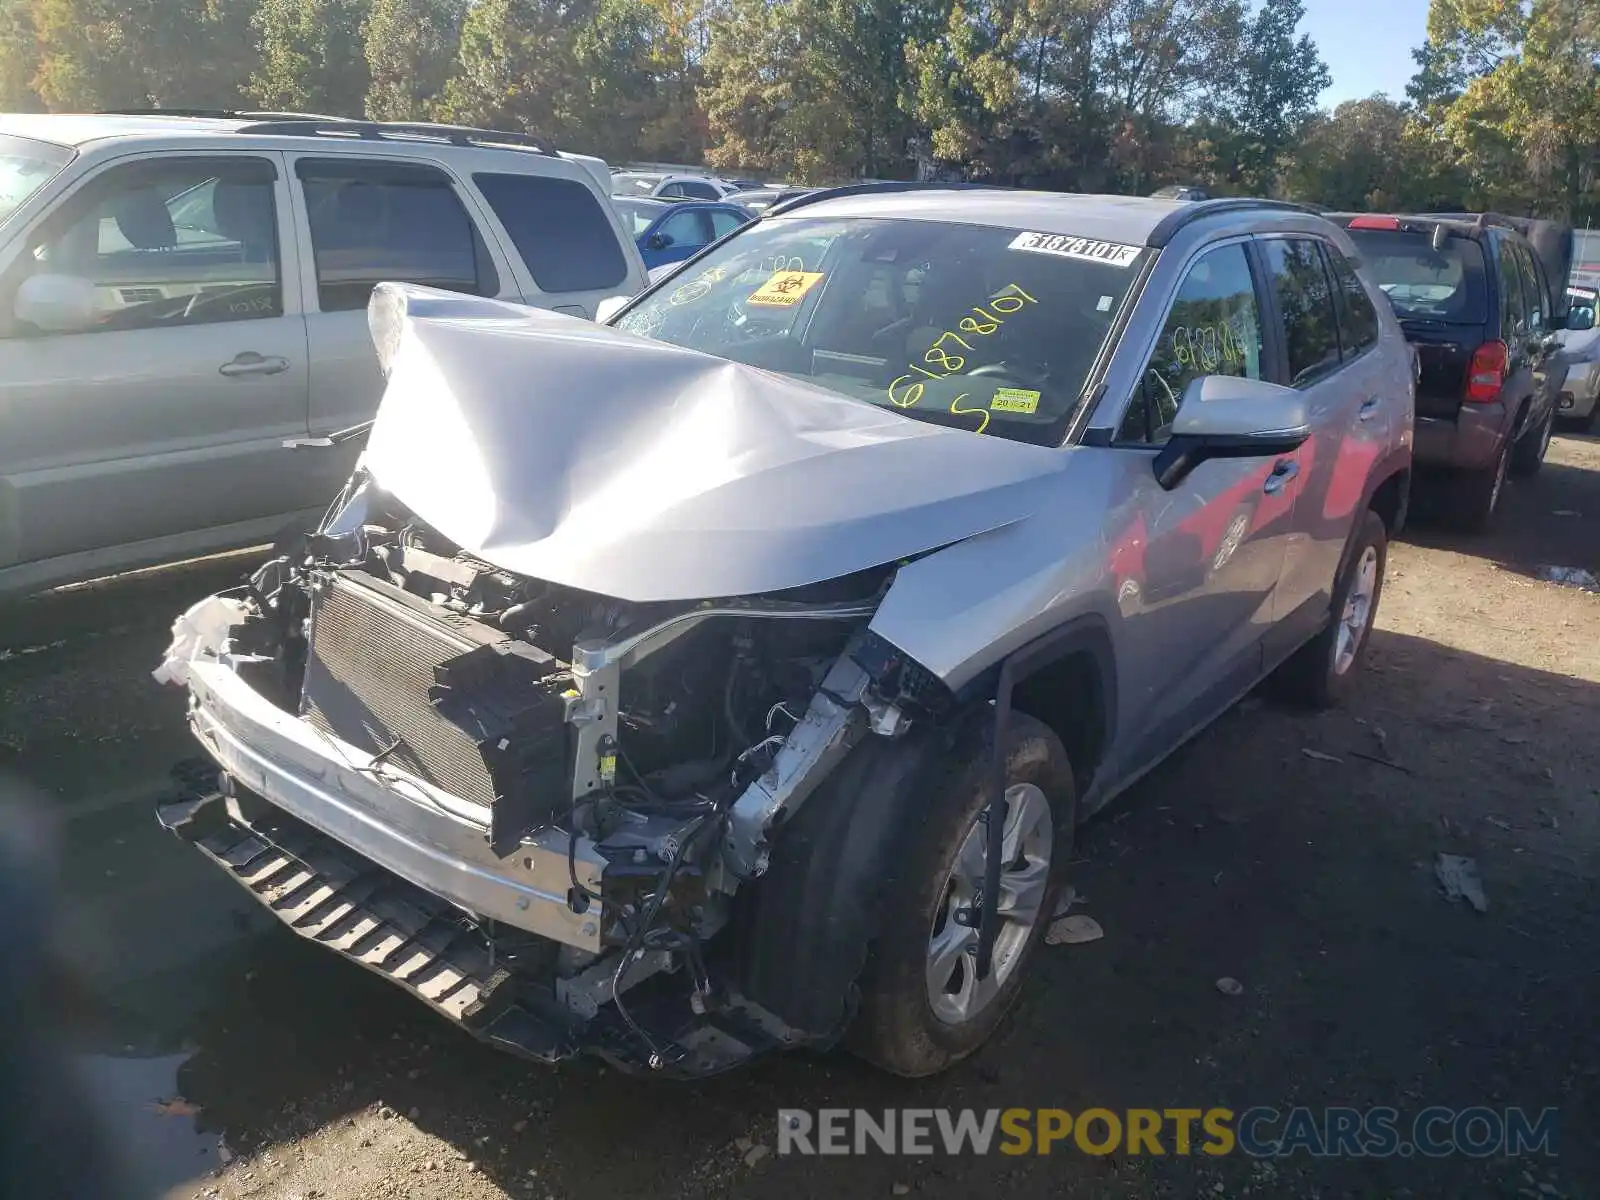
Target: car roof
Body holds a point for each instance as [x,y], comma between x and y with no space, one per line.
[1129,220]
[79,129]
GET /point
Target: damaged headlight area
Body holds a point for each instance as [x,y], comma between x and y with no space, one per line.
[561,793]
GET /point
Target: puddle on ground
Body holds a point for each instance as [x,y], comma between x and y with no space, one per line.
[154,1131]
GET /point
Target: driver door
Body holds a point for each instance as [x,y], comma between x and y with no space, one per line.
[154,412]
[1196,569]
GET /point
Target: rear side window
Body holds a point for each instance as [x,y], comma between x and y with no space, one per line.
[1513,302]
[1305,298]
[377,221]
[1424,283]
[559,229]
[724,222]
[1533,297]
[1358,321]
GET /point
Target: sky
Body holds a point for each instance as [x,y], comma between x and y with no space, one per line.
[1367,44]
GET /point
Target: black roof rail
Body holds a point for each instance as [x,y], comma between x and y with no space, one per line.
[1167,228]
[868,189]
[456,135]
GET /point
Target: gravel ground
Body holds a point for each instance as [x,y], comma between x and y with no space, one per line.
[231,1060]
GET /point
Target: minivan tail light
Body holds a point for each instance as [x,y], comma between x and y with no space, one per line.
[1487,373]
[1374,222]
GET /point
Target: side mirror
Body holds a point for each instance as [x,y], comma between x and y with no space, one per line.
[1580,318]
[56,303]
[658,240]
[1222,416]
[609,307]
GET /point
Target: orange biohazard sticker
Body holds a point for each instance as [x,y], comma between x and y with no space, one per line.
[785,288]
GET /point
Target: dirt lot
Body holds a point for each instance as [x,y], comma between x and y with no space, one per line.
[1273,850]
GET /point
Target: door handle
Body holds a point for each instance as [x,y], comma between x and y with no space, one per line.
[1368,409]
[1283,471]
[251,363]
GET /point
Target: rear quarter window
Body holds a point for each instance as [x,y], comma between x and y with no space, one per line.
[559,229]
[1424,283]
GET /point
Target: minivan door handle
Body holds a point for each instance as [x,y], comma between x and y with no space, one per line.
[1368,409]
[1283,471]
[251,363]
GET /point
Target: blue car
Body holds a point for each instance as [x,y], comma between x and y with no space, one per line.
[671,232]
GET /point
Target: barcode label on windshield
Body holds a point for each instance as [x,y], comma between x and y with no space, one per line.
[1112,253]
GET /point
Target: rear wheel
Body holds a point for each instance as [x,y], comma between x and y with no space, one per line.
[1477,493]
[1527,456]
[1323,671]
[923,1006]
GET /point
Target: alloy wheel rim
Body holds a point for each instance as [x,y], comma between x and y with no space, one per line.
[1357,613]
[1499,479]
[955,993]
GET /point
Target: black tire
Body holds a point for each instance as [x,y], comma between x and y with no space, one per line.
[1477,493]
[1527,456]
[896,1027]
[1311,677]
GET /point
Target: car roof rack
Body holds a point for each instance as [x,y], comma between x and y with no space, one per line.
[1196,210]
[869,189]
[219,114]
[456,135]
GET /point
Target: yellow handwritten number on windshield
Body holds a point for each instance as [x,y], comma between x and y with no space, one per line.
[961,412]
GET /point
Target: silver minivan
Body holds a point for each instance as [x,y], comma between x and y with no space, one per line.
[183,311]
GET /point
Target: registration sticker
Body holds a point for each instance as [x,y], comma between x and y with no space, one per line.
[1063,246]
[785,288]
[1015,400]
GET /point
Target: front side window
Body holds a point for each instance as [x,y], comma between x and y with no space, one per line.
[1213,328]
[164,242]
[989,329]
[1358,320]
[1310,325]
[376,221]
[559,229]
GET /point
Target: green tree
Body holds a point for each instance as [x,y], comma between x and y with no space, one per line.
[312,57]
[411,48]
[1267,96]
[19,58]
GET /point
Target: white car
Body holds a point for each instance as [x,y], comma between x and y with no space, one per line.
[670,187]
[181,297]
[1580,342]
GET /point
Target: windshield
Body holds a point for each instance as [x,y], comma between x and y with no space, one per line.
[1424,283]
[982,328]
[634,185]
[639,213]
[25,167]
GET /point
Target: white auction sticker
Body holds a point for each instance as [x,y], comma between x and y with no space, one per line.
[1113,253]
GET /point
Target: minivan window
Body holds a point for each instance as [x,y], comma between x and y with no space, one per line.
[1305,298]
[1424,283]
[559,229]
[983,328]
[373,221]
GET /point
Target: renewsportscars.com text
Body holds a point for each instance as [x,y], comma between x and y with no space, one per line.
[1259,1132]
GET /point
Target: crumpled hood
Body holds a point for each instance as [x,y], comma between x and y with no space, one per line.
[575,453]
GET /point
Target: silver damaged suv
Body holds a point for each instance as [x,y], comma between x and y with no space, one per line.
[733,674]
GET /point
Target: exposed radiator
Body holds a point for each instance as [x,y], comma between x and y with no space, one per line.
[453,701]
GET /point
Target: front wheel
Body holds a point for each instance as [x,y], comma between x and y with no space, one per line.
[923,1005]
